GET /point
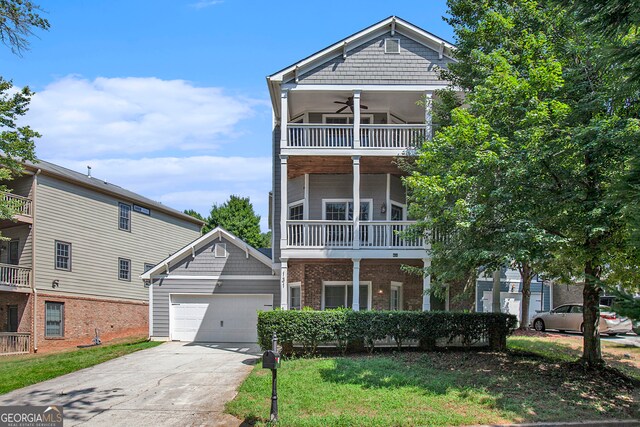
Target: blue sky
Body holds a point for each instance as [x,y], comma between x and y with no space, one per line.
[169,98]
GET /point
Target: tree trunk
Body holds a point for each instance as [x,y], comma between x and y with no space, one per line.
[495,301]
[591,355]
[526,273]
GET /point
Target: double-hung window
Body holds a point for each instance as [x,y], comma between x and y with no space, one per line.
[124,269]
[63,256]
[124,217]
[338,295]
[54,319]
[294,296]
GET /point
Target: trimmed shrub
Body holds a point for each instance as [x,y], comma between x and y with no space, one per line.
[347,328]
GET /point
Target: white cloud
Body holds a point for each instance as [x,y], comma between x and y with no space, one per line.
[205,3]
[194,182]
[81,118]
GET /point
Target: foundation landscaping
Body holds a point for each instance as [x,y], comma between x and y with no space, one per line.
[384,368]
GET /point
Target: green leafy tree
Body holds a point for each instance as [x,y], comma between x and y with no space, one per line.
[18,20]
[238,217]
[535,153]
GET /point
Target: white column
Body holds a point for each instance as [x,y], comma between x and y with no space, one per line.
[426,287]
[356,285]
[356,202]
[388,228]
[284,206]
[356,119]
[284,285]
[284,117]
[427,115]
[305,204]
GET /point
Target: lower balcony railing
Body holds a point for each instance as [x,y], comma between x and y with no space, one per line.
[306,135]
[14,343]
[339,234]
[20,205]
[12,275]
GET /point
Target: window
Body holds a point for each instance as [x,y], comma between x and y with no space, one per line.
[341,210]
[63,256]
[220,250]
[296,212]
[576,309]
[124,269]
[294,296]
[341,295]
[124,222]
[562,309]
[14,254]
[395,297]
[54,319]
[397,212]
[142,209]
[391,45]
[147,267]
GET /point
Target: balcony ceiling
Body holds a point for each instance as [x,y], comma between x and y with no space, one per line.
[401,104]
[299,165]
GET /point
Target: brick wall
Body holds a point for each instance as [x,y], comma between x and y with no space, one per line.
[113,319]
[380,273]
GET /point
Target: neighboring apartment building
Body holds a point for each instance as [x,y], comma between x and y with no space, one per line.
[74,256]
[341,118]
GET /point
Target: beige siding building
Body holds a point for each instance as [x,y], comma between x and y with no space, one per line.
[74,255]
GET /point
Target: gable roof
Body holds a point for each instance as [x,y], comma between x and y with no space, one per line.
[189,250]
[392,23]
[99,185]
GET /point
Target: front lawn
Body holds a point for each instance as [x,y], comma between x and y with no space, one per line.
[21,371]
[439,388]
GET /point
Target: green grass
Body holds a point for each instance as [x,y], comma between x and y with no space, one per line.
[407,389]
[21,371]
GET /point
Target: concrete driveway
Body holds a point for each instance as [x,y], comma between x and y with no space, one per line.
[181,384]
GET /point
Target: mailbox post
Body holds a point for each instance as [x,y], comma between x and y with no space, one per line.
[271,360]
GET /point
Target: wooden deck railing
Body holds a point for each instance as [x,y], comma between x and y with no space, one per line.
[14,343]
[12,275]
[20,205]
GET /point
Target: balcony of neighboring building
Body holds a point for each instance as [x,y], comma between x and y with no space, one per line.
[15,259]
[21,207]
[364,122]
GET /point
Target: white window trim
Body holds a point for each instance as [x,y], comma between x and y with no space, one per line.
[346,284]
[347,116]
[215,250]
[325,201]
[294,204]
[403,206]
[398,286]
[295,285]
[399,46]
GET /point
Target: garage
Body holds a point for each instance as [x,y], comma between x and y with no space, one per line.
[211,291]
[217,318]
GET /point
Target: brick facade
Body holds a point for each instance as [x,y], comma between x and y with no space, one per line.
[311,273]
[82,315]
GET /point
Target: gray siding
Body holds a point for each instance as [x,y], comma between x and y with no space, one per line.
[295,189]
[162,290]
[205,262]
[368,64]
[397,190]
[21,233]
[89,221]
[21,186]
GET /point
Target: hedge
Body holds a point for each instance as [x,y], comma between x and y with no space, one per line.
[347,328]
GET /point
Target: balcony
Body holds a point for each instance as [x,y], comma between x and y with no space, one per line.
[21,206]
[374,137]
[14,343]
[339,234]
[15,277]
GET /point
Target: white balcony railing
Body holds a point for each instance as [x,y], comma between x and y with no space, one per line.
[305,135]
[20,205]
[319,136]
[391,136]
[339,234]
[14,343]
[12,275]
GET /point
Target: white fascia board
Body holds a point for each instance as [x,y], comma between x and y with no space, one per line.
[381,152]
[355,253]
[202,240]
[366,88]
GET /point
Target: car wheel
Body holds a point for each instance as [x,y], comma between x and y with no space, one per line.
[538,325]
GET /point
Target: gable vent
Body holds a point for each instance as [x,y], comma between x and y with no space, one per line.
[391,45]
[220,250]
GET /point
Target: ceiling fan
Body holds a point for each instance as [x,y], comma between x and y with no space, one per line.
[349,103]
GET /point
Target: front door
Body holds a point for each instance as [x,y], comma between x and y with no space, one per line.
[14,255]
[12,321]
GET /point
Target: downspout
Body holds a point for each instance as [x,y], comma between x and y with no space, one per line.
[33,262]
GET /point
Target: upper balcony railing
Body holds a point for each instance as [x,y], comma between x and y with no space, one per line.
[339,234]
[306,135]
[14,276]
[19,204]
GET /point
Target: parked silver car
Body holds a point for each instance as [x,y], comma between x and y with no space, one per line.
[568,317]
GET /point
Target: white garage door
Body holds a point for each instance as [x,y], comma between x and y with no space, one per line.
[217,318]
[510,303]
